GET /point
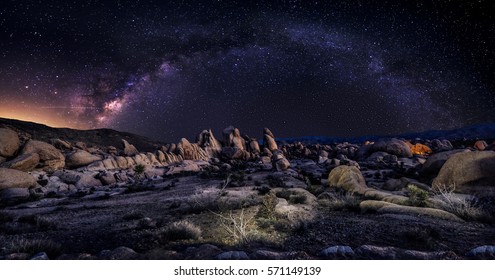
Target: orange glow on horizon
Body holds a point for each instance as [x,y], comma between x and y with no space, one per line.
[38,114]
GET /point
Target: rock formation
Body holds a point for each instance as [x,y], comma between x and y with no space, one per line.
[50,158]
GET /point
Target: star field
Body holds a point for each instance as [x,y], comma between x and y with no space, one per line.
[169,69]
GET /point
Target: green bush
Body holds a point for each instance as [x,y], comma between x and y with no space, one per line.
[417,196]
[139,170]
[267,209]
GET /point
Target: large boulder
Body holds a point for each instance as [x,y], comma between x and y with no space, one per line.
[468,172]
[129,150]
[441,145]
[9,142]
[269,140]
[11,178]
[279,161]
[435,162]
[392,146]
[348,178]
[27,162]
[51,158]
[80,158]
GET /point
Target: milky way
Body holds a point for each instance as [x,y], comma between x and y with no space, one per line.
[168,69]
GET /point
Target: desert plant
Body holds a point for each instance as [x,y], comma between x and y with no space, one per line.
[267,209]
[339,201]
[181,230]
[139,170]
[463,206]
[237,226]
[417,196]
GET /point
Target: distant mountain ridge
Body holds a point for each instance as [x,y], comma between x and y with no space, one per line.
[94,137]
[469,133]
[109,137]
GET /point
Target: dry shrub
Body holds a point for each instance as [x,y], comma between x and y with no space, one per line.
[181,230]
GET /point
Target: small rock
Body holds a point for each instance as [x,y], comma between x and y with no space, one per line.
[337,253]
[232,255]
[120,253]
[486,252]
[40,256]
[17,256]
[203,252]
[480,145]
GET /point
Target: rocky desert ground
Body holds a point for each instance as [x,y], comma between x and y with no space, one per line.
[103,194]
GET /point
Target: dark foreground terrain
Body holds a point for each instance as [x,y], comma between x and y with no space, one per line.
[67,198]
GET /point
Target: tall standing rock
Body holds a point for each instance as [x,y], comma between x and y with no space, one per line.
[232,138]
[254,146]
[50,158]
[269,140]
[9,142]
[129,150]
[209,143]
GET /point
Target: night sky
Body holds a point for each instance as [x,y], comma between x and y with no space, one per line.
[169,69]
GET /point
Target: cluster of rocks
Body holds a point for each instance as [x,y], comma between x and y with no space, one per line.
[373,167]
[29,166]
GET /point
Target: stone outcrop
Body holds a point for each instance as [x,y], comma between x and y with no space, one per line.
[468,172]
[348,178]
[232,138]
[61,144]
[129,150]
[191,151]
[26,162]
[435,162]
[80,158]
[209,143]
[9,142]
[280,163]
[51,158]
[392,146]
[11,178]
[269,140]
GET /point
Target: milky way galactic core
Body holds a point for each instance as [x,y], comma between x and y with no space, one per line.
[169,69]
